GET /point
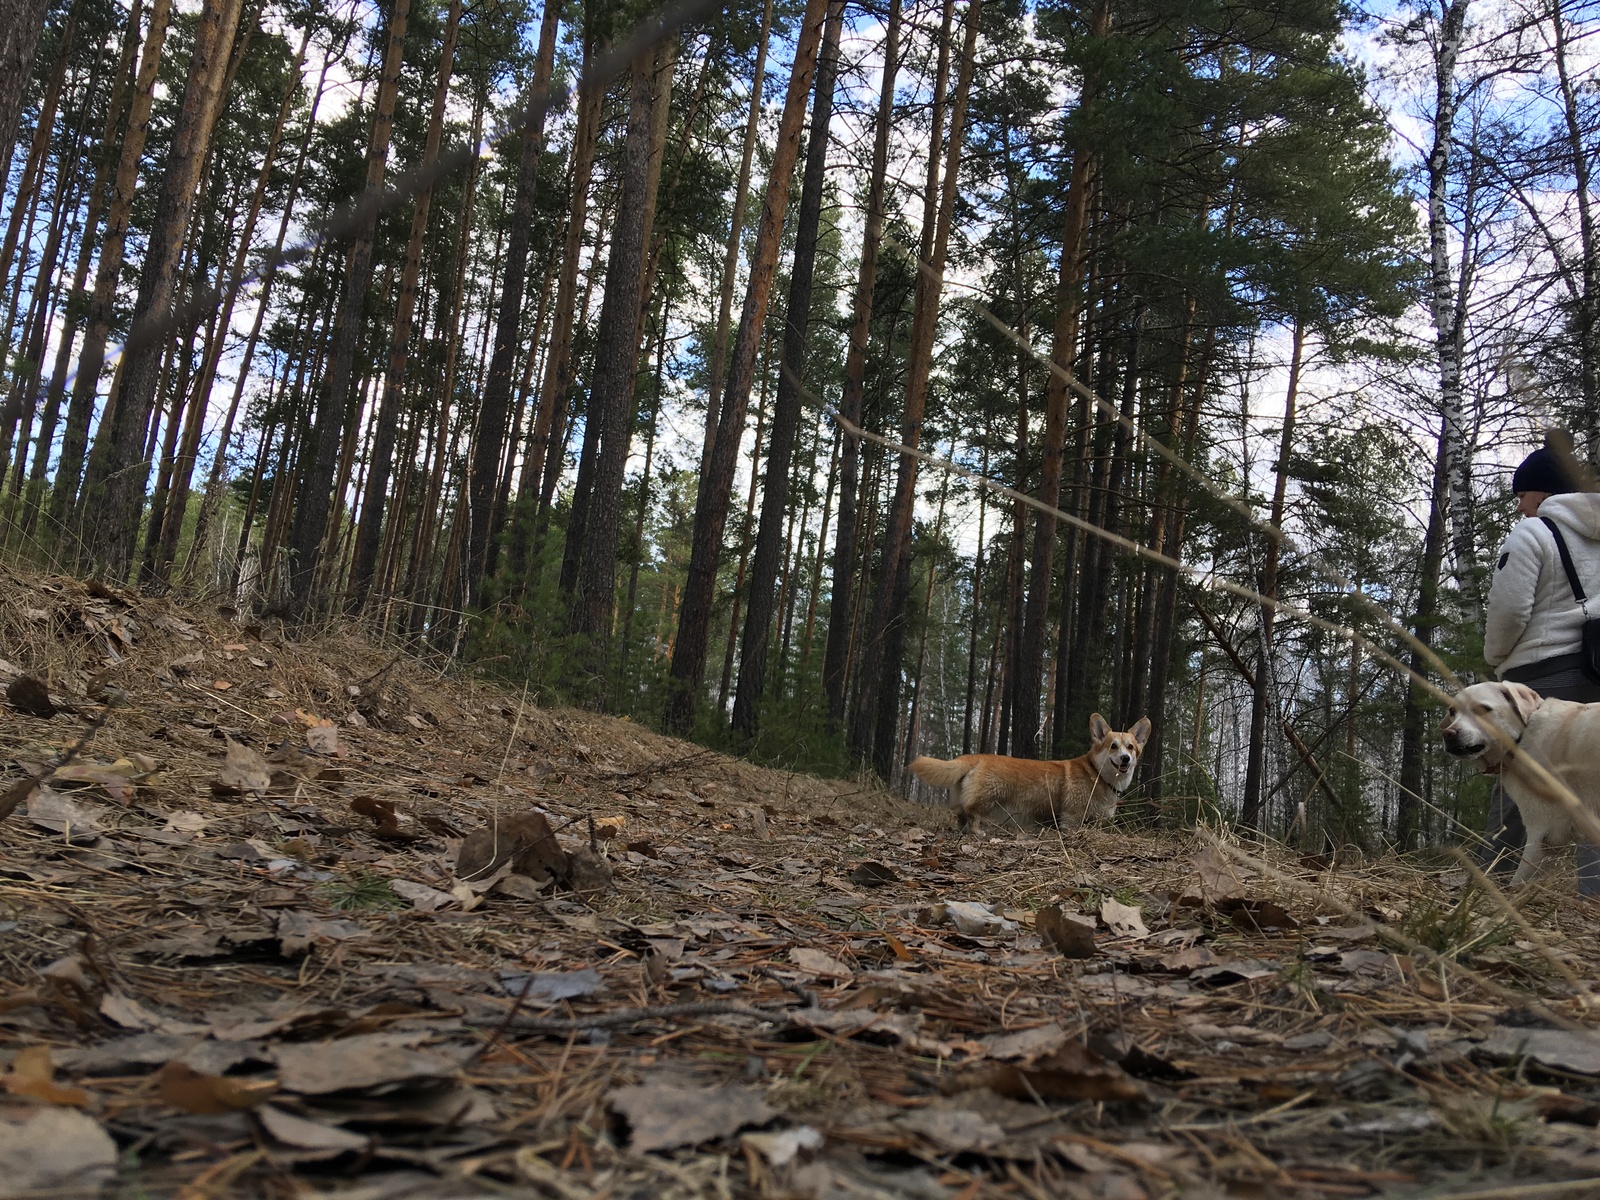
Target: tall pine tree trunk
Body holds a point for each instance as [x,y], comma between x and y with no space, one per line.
[716,481]
[557,381]
[213,491]
[126,81]
[115,490]
[484,477]
[871,656]
[730,259]
[183,469]
[879,699]
[616,363]
[1260,695]
[315,499]
[1026,722]
[1166,606]
[21,22]
[381,458]
[786,415]
[835,659]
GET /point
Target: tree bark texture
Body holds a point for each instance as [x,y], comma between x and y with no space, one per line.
[786,415]
[314,502]
[1069,306]
[116,490]
[612,387]
[835,659]
[716,481]
[374,500]
[493,414]
[21,22]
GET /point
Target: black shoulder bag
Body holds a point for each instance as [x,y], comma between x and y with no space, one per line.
[1589,654]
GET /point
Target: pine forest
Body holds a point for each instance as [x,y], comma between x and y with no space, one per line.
[830,383]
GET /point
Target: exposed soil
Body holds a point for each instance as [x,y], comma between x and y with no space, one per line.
[287,923]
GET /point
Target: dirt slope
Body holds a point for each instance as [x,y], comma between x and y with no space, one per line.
[239,959]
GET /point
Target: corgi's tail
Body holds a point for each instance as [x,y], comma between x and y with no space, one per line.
[940,773]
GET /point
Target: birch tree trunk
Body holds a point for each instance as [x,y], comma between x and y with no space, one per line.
[1447,302]
[1587,433]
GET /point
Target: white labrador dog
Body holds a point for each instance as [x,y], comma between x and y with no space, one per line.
[1561,736]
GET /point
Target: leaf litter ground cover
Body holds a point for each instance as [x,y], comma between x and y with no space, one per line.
[292,918]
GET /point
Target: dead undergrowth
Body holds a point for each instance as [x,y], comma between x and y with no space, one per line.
[291,922]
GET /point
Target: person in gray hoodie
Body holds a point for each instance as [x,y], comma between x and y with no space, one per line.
[1533,629]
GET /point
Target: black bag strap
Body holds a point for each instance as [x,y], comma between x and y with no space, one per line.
[1566,560]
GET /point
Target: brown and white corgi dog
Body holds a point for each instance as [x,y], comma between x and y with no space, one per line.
[1067,792]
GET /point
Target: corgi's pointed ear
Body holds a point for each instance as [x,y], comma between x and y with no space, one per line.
[1098,728]
[1141,731]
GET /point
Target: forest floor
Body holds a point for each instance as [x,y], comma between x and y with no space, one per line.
[256,939]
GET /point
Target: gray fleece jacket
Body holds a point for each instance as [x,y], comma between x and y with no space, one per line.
[1532,615]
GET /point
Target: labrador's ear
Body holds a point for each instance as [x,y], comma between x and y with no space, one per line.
[1098,729]
[1523,698]
[1141,731]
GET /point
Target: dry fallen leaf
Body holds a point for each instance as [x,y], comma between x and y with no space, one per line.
[664,1116]
[1562,1049]
[181,1086]
[1065,935]
[525,840]
[53,811]
[324,739]
[308,1135]
[541,989]
[187,822]
[365,1061]
[1124,920]
[1220,877]
[243,773]
[384,818]
[872,874]
[422,897]
[1070,1072]
[953,1130]
[818,964]
[1025,1043]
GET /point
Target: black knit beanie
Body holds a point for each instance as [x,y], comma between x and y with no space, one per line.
[1542,471]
